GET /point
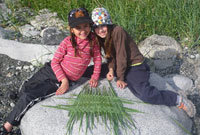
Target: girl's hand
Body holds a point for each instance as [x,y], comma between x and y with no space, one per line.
[121,84]
[110,75]
[93,83]
[63,87]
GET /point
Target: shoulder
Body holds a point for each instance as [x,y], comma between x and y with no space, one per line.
[117,29]
[118,33]
[66,40]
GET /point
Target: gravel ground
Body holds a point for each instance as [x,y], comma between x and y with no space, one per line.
[12,75]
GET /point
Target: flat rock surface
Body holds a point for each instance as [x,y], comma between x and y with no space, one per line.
[156,119]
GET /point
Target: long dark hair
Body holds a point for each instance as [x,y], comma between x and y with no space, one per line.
[74,44]
[107,43]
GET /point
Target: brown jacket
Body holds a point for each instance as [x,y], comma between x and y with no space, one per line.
[126,52]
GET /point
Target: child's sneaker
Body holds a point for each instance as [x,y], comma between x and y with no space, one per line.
[187,105]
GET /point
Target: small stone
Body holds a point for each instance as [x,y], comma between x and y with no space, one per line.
[192,56]
[9,75]
[185,48]
[31,68]
[12,104]
[26,67]
[197,56]
[12,95]
[18,68]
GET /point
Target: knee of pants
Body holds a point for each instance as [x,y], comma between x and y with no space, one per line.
[144,93]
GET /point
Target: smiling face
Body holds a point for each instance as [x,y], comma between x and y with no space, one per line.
[82,30]
[101,31]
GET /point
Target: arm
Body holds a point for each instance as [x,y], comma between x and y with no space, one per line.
[120,43]
[97,66]
[56,67]
[111,63]
[57,59]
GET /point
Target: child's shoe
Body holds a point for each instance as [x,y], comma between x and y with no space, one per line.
[186,105]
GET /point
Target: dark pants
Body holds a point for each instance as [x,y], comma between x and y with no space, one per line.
[42,85]
[137,78]
[89,71]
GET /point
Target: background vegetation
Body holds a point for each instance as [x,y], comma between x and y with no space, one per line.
[179,19]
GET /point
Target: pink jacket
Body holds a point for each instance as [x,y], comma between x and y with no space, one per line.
[65,64]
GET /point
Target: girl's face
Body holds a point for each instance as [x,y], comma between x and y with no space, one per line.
[82,30]
[101,31]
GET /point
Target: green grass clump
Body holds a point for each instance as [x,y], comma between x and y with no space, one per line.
[141,18]
[95,104]
[17,16]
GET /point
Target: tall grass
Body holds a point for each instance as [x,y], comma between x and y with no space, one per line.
[141,18]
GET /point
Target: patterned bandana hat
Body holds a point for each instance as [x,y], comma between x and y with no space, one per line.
[100,16]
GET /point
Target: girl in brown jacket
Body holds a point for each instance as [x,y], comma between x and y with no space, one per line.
[125,59]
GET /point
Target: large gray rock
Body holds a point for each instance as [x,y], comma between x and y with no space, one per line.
[29,31]
[53,36]
[34,53]
[197,71]
[180,82]
[160,47]
[156,119]
[47,19]
[163,50]
[4,12]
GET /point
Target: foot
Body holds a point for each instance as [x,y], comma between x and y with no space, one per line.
[187,105]
[3,131]
[6,129]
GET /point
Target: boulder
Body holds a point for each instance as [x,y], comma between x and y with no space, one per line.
[156,119]
[162,50]
[4,12]
[29,31]
[160,47]
[35,53]
[180,82]
[47,19]
[7,34]
[53,36]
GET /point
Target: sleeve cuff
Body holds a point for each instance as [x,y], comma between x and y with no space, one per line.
[95,77]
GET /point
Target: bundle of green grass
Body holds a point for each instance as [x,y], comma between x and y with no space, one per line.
[98,104]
